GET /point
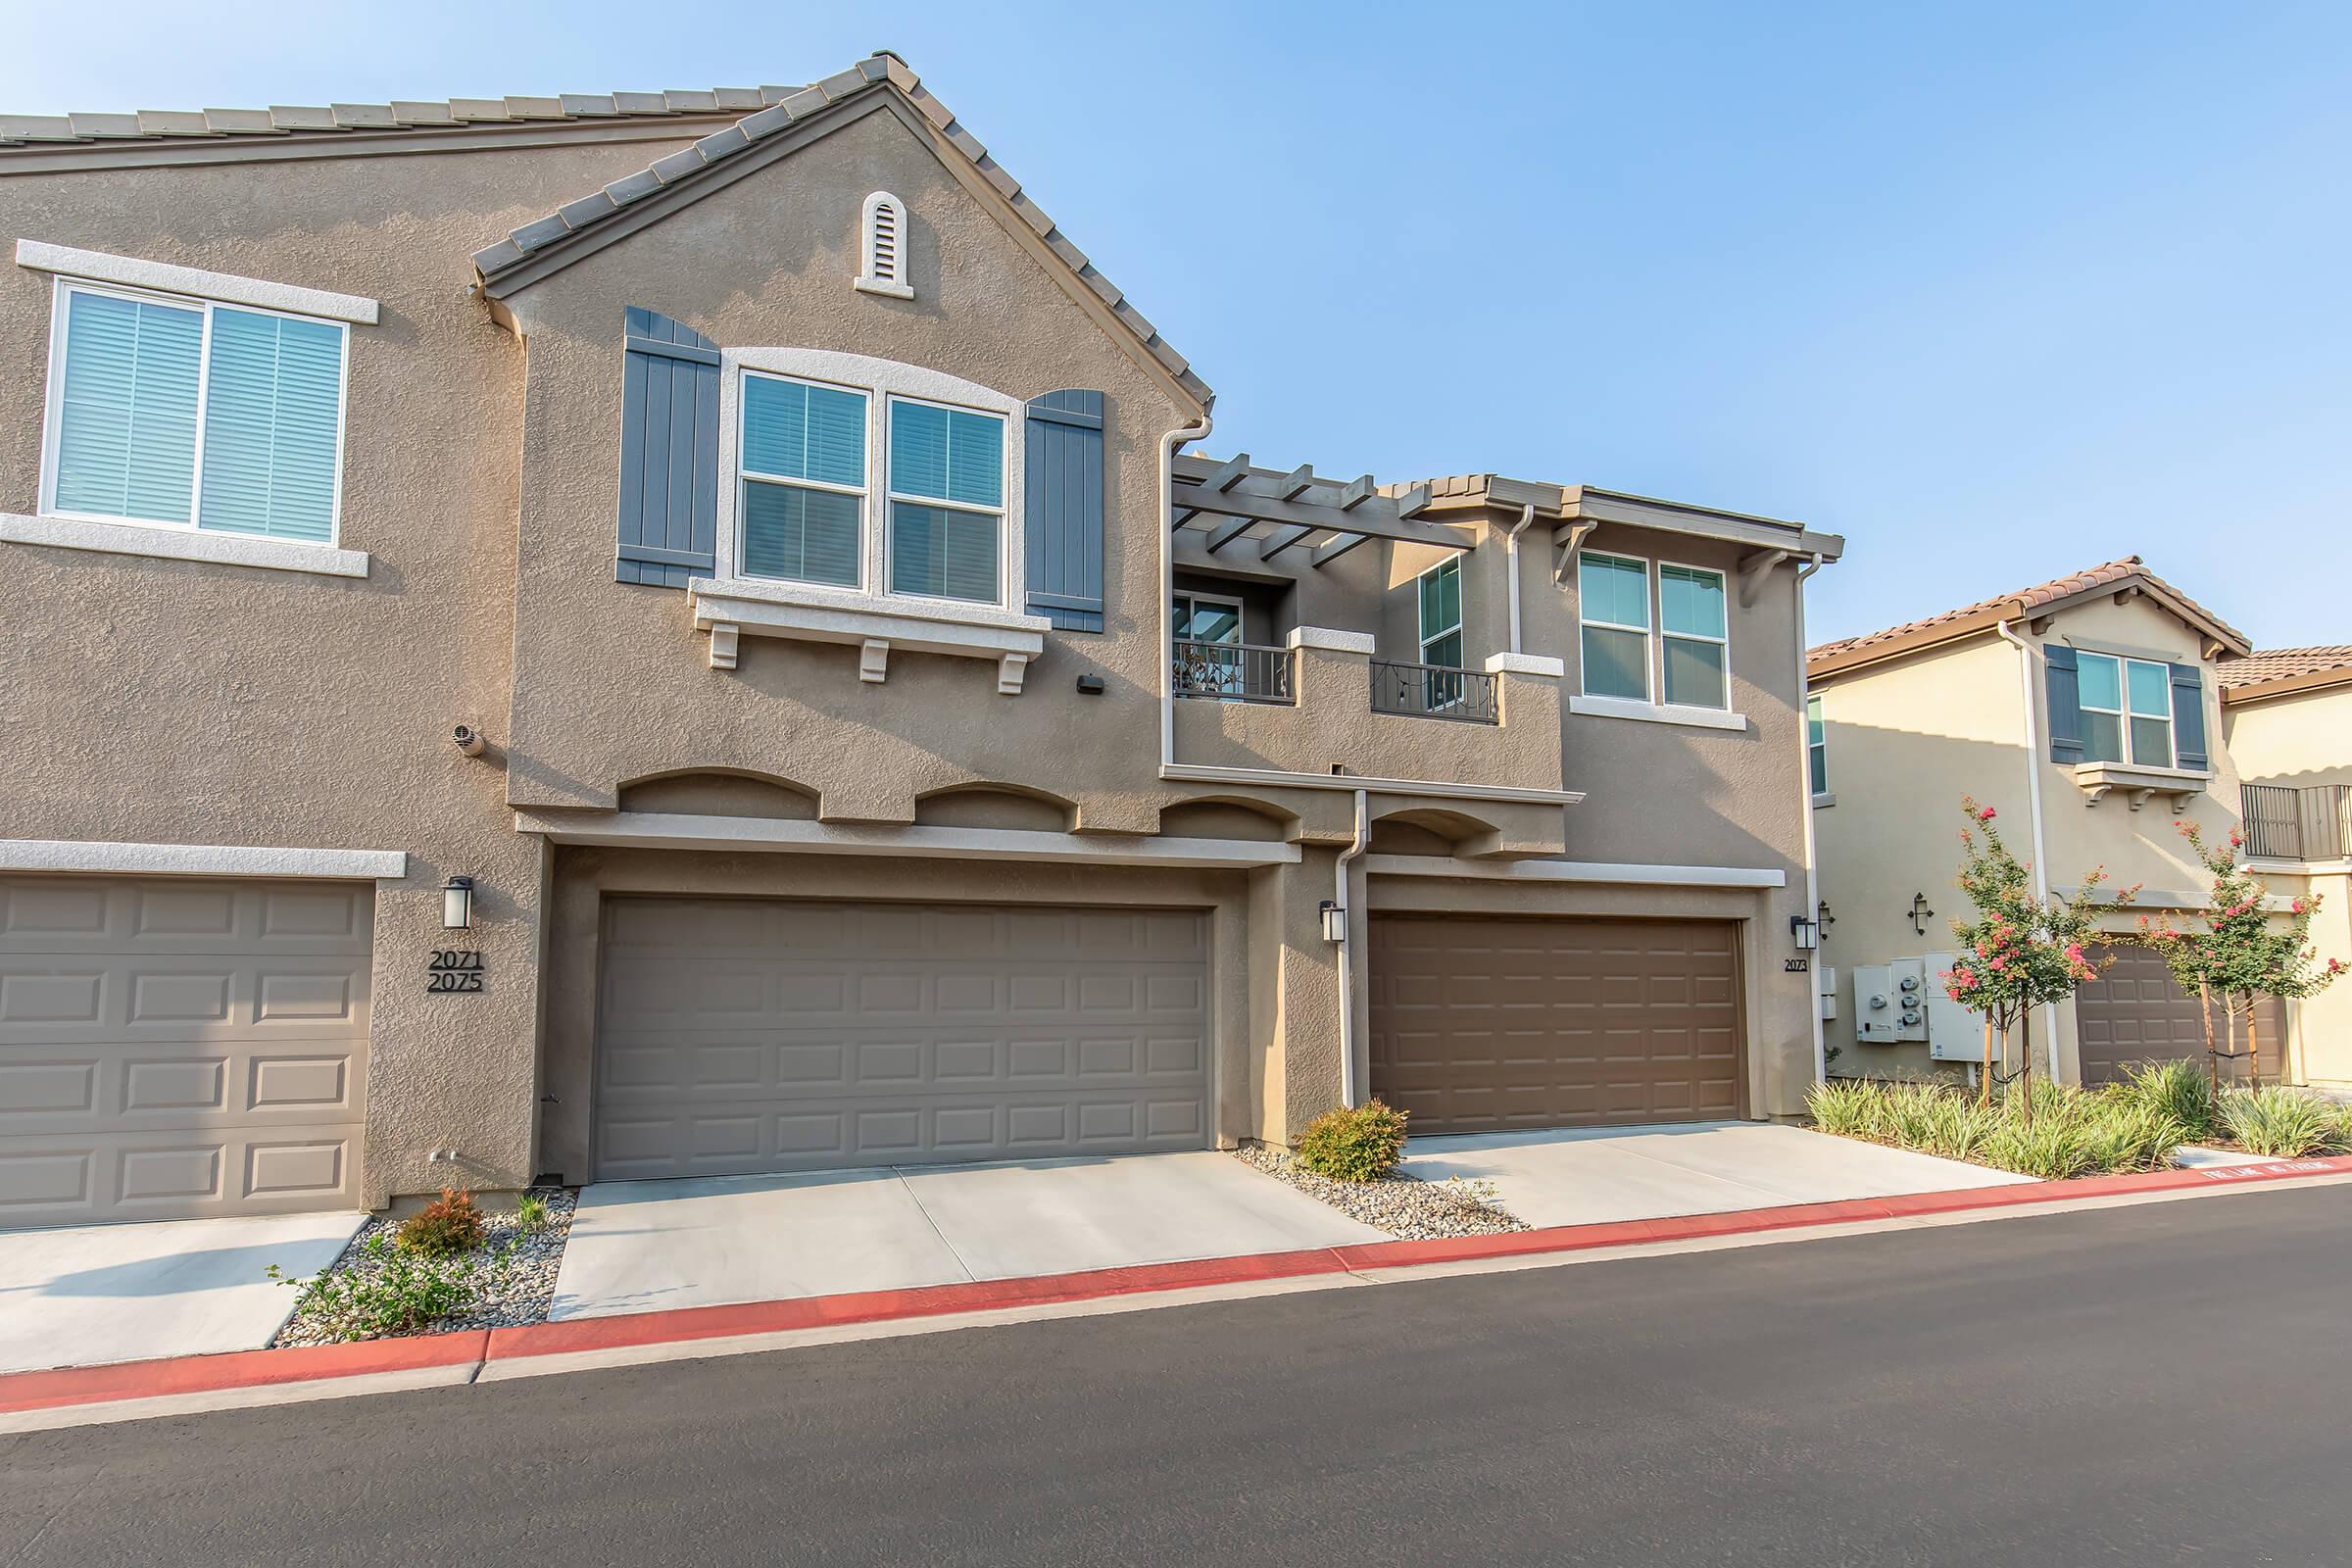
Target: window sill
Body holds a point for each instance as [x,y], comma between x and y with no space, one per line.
[874,626]
[182,544]
[1656,712]
[1824,799]
[2096,779]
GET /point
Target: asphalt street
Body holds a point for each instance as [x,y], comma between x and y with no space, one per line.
[2161,1384]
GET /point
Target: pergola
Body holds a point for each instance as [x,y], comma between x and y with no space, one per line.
[1256,515]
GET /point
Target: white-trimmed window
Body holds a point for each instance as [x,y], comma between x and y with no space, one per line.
[1817,747]
[176,411]
[1612,596]
[1694,637]
[946,502]
[804,479]
[1441,618]
[2127,710]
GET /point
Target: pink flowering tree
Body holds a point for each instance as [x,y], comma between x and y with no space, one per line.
[2020,950]
[2244,953]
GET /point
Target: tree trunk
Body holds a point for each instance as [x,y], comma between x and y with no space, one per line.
[2213,1064]
[2025,1064]
[1984,1086]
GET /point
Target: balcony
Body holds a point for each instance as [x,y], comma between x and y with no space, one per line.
[2309,824]
[1323,704]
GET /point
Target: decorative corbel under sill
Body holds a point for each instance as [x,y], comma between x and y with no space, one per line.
[2138,784]
[1013,641]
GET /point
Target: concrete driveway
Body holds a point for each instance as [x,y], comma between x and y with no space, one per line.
[1594,1175]
[88,1294]
[641,1246]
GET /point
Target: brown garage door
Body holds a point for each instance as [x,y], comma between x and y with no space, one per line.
[172,1048]
[1483,1025]
[2134,1012]
[741,1036]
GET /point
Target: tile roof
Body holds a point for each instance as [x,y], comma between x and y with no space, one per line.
[2281,664]
[281,120]
[876,70]
[2009,607]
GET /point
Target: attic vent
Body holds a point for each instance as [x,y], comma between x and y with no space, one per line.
[883,247]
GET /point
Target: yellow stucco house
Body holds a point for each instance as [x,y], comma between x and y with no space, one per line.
[2094,713]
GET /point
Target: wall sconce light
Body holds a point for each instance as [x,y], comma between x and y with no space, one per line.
[456,903]
[1920,915]
[1801,931]
[1335,922]
[1824,919]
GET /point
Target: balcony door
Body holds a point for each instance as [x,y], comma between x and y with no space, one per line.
[1207,630]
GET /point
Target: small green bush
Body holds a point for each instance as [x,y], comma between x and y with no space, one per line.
[2285,1122]
[2072,1132]
[1358,1143]
[399,1292]
[449,1224]
[2182,1090]
[530,1213]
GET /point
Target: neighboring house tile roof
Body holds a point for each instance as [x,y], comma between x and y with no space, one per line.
[877,72]
[2041,599]
[2279,669]
[281,120]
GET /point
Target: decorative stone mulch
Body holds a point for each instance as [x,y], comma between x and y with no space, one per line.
[508,1295]
[1405,1207]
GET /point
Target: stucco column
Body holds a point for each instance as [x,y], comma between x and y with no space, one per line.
[1293,997]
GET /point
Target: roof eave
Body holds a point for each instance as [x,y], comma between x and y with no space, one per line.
[2309,680]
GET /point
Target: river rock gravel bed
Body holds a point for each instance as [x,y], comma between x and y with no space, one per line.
[506,1296]
[1405,1207]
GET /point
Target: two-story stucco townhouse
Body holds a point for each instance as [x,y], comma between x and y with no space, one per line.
[2089,714]
[676,634]
[2286,717]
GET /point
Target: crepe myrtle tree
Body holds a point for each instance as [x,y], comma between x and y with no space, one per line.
[2022,950]
[2242,955]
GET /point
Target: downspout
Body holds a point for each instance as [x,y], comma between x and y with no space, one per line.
[2041,858]
[1511,547]
[1168,443]
[1804,795]
[1348,1089]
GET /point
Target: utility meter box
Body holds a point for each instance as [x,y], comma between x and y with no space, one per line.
[1954,1034]
[1826,984]
[1890,1002]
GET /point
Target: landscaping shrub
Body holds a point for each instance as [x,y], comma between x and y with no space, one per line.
[2071,1133]
[449,1223]
[1359,1144]
[2182,1090]
[530,1213]
[396,1291]
[2285,1122]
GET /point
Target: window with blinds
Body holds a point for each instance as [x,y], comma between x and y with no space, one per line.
[946,502]
[804,480]
[191,414]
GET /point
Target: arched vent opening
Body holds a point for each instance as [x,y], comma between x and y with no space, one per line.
[882,249]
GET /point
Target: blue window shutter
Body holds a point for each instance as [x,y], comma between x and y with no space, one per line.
[2188,717]
[1063,509]
[669,526]
[2066,703]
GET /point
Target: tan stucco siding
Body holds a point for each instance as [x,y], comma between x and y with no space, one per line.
[2298,738]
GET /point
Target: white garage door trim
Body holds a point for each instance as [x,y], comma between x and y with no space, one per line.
[93,856]
[749,1036]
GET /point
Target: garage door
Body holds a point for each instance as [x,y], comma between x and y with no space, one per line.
[741,1036]
[173,1047]
[1483,1025]
[2135,1013]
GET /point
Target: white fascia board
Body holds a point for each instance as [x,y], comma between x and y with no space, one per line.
[1436,788]
[163,542]
[1597,871]
[85,857]
[130,271]
[663,830]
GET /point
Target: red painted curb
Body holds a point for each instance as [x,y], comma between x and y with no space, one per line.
[201,1373]
[235,1369]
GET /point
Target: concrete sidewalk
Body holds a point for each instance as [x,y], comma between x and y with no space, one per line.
[1597,1175]
[640,1247]
[87,1295]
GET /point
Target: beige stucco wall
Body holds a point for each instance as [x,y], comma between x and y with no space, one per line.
[2298,738]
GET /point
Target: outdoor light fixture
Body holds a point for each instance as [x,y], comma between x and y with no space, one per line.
[456,903]
[1823,918]
[1335,922]
[1801,932]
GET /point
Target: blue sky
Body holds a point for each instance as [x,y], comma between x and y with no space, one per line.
[1997,291]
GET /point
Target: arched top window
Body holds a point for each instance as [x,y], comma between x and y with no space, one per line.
[882,246]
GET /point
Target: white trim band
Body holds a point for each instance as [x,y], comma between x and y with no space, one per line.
[230,289]
[1656,712]
[82,856]
[1655,876]
[1275,779]
[1527,665]
[166,543]
[1325,638]
[663,830]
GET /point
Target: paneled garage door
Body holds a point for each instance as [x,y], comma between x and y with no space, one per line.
[172,1048]
[1485,1025]
[740,1036]
[2135,1013]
